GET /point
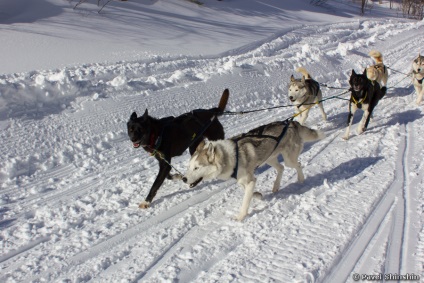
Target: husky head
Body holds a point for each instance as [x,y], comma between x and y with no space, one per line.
[418,65]
[203,165]
[358,81]
[139,129]
[297,89]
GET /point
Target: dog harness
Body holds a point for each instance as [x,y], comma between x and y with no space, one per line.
[382,67]
[362,100]
[313,88]
[260,135]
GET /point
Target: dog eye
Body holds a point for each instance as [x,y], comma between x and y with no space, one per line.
[196,168]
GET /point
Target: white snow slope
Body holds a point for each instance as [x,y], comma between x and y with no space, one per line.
[71,181]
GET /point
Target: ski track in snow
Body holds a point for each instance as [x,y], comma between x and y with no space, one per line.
[72,214]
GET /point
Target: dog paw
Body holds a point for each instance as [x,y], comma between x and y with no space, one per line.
[240,217]
[345,138]
[258,195]
[360,130]
[144,205]
[176,176]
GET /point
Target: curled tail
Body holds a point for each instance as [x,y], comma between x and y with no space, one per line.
[304,72]
[308,134]
[378,57]
[223,101]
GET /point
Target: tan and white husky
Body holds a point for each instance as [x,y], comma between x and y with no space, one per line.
[377,72]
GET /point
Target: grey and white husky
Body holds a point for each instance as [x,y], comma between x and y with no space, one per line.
[304,93]
[417,77]
[238,157]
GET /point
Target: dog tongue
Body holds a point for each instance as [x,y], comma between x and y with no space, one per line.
[136,145]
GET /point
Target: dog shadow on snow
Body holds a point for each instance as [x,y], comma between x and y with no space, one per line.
[343,171]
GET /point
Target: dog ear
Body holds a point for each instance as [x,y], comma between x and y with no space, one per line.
[146,114]
[292,78]
[133,116]
[201,145]
[365,72]
[303,79]
[211,152]
[353,72]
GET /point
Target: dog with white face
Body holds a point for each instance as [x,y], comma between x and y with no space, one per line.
[418,76]
[305,93]
[239,156]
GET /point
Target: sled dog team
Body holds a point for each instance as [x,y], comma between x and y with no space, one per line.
[239,156]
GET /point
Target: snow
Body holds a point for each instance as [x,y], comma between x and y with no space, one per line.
[71,182]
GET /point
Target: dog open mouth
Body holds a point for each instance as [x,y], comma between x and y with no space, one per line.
[192,185]
[136,145]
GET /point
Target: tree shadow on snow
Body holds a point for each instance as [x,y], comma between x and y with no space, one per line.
[24,11]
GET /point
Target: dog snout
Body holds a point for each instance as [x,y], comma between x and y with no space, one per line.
[184,179]
[291,97]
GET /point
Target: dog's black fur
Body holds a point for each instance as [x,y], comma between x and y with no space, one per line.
[365,94]
[171,136]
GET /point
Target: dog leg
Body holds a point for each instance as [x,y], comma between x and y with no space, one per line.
[248,193]
[280,168]
[352,110]
[164,170]
[304,116]
[363,125]
[291,160]
[384,82]
[321,107]
[420,93]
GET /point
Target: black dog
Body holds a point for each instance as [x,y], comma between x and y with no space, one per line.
[365,95]
[171,136]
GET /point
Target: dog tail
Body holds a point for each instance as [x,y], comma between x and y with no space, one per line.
[304,72]
[223,101]
[308,134]
[378,57]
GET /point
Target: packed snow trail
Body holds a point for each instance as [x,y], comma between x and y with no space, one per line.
[71,182]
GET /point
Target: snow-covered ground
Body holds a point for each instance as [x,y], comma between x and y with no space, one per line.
[71,182]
